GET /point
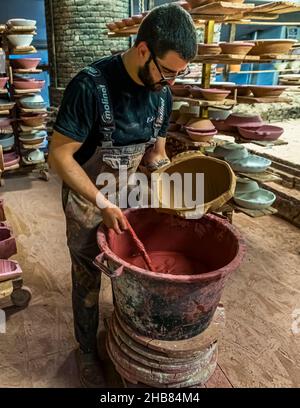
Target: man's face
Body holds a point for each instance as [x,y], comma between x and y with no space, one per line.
[155,70]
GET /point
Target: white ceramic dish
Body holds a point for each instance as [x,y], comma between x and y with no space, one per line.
[256,200]
[23,22]
[251,164]
[20,40]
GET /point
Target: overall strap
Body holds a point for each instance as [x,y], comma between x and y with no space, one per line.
[106,121]
[161,111]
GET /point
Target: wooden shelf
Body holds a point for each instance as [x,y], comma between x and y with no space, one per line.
[247,59]
[204,102]
[3,91]
[266,99]
[254,213]
[27,71]
[263,71]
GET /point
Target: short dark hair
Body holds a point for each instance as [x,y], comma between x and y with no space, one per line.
[169,28]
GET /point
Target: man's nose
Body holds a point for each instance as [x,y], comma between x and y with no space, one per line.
[171,81]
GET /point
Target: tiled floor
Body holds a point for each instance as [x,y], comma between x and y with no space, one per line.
[258,348]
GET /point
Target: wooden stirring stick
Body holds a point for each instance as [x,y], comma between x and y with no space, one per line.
[140,247]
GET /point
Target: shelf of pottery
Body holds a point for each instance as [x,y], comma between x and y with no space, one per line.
[22,109]
[201,112]
[11,282]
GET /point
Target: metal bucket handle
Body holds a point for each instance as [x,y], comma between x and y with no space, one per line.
[99,262]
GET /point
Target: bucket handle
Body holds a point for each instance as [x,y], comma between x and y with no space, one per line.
[99,262]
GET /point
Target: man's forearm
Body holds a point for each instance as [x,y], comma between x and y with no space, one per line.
[77,179]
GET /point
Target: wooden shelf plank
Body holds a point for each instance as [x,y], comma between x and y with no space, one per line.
[27,71]
[222,8]
[266,99]
[247,59]
[203,102]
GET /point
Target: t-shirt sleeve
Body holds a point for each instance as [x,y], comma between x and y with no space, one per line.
[78,110]
[163,130]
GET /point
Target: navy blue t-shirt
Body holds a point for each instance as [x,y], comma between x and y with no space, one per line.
[134,107]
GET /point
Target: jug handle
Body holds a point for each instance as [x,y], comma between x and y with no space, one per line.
[99,262]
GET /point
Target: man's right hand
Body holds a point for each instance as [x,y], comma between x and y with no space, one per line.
[114,218]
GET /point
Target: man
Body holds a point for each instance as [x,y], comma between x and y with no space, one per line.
[109,113]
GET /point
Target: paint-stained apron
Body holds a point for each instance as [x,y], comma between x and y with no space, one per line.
[83,218]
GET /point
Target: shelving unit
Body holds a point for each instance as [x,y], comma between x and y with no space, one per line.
[38,167]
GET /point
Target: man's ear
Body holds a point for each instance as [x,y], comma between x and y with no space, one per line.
[143,51]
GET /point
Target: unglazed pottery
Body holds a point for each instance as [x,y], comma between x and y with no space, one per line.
[265,132]
[33,120]
[180,90]
[25,63]
[3,81]
[197,124]
[214,94]
[9,270]
[272,46]
[209,49]
[38,84]
[236,47]
[201,136]
[266,90]
[244,120]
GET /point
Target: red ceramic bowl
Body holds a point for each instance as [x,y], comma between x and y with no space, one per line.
[265,132]
[120,24]
[25,63]
[201,136]
[137,18]
[265,90]
[10,159]
[214,94]
[4,122]
[33,120]
[29,84]
[112,26]
[3,81]
[244,120]
[128,21]
[180,90]
[222,126]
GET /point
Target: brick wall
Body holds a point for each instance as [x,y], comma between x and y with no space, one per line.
[76,34]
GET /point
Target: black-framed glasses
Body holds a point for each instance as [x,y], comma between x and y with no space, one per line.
[164,78]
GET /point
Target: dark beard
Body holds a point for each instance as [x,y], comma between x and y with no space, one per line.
[145,76]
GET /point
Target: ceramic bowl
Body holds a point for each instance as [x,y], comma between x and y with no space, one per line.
[196,3]
[236,47]
[23,22]
[244,185]
[33,120]
[20,40]
[184,118]
[224,150]
[214,94]
[195,91]
[128,21]
[197,124]
[137,18]
[237,154]
[272,46]
[5,121]
[10,159]
[255,200]
[209,49]
[29,84]
[3,81]
[218,114]
[222,126]
[265,132]
[266,90]
[204,136]
[180,90]
[120,24]
[25,63]
[184,4]
[112,26]
[244,120]
[33,102]
[7,141]
[251,164]
[9,269]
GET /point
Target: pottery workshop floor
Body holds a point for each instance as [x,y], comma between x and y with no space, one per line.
[258,348]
